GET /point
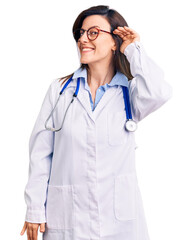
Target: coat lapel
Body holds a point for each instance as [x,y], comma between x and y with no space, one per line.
[83,98]
[109,94]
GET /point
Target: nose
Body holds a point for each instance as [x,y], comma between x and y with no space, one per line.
[84,37]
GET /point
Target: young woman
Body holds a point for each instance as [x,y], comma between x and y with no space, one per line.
[82,179]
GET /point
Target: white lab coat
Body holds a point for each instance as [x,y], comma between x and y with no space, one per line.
[82,179]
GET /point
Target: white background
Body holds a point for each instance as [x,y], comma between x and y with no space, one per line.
[36,46]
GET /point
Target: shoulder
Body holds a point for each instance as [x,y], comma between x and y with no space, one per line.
[56,83]
[55,86]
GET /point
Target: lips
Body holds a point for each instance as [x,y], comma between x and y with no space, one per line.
[87,49]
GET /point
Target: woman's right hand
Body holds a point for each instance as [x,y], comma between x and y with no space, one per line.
[128,36]
[32,230]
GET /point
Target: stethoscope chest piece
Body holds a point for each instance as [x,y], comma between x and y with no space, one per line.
[130,125]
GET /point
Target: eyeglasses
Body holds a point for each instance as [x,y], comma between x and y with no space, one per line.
[92,33]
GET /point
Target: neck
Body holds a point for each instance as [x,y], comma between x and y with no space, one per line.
[98,75]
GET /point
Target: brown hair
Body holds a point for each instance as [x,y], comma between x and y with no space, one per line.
[115,19]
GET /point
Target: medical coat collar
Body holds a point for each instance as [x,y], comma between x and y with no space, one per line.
[83,96]
[118,79]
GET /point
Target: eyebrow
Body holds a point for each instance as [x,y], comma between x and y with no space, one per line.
[90,27]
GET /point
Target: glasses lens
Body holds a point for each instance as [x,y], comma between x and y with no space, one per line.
[93,33]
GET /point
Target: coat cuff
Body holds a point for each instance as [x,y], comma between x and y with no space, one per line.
[35,216]
[131,48]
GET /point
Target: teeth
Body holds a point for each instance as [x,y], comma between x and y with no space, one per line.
[86,49]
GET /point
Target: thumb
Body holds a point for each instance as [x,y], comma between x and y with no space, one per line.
[42,227]
[23,229]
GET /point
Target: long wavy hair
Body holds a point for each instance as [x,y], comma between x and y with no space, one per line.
[121,63]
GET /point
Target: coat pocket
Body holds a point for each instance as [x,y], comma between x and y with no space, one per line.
[116,128]
[60,207]
[125,197]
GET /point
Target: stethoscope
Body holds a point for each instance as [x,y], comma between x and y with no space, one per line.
[130,124]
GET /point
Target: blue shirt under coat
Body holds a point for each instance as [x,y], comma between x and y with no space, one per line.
[119,79]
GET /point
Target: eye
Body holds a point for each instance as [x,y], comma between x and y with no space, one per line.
[81,32]
[93,32]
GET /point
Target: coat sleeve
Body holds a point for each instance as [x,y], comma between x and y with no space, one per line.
[40,157]
[148,90]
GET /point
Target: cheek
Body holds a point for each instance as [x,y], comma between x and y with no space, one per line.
[78,47]
[103,49]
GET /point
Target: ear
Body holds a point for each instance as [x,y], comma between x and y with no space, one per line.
[114,47]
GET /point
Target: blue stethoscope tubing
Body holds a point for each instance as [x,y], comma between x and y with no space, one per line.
[130,125]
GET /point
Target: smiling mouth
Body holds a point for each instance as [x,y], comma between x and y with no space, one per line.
[86,50]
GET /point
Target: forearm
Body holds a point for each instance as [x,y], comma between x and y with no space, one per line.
[148,89]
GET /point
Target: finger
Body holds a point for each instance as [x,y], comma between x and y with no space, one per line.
[131,30]
[133,33]
[120,30]
[35,233]
[42,227]
[127,30]
[123,31]
[124,35]
[116,31]
[126,27]
[29,234]
[23,229]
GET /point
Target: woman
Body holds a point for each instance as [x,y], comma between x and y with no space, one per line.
[82,178]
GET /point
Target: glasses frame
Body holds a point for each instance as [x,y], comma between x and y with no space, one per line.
[84,30]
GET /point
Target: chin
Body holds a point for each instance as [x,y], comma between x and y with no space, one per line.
[84,61]
[88,61]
